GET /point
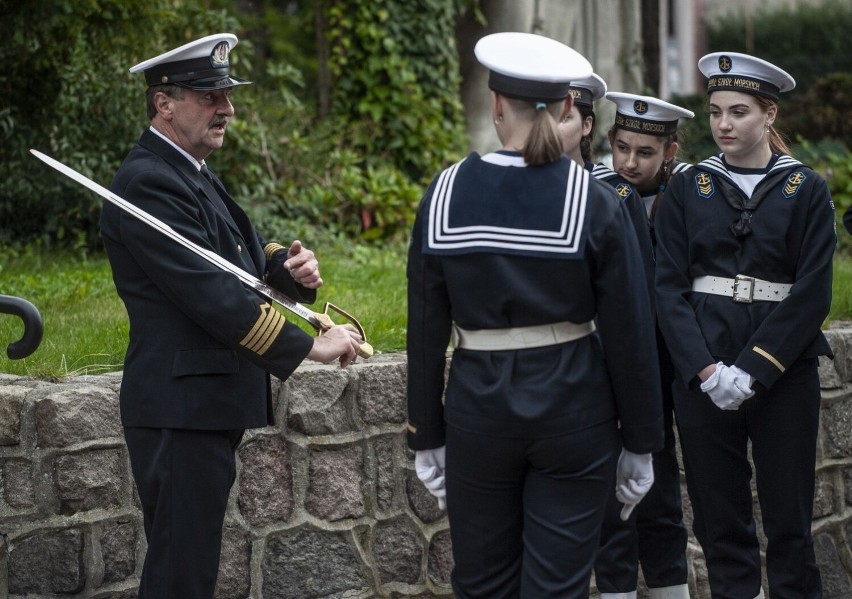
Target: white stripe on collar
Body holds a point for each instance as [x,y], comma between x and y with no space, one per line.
[566,240]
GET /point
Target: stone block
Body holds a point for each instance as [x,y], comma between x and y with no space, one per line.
[310,563]
[48,562]
[336,479]
[319,401]
[835,580]
[423,504]
[829,377]
[265,492]
[837,428]
[90,479]
[11,410]
[824,494]
[16,478]
[397,551]
[77,413]
[386,449]
[847,486]
[839,336]
[234,580]
[382,395]
[440,564]
[118,550]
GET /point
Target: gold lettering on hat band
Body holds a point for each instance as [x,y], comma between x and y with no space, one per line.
[638,125]
[742,84]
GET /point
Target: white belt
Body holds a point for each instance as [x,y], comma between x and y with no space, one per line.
[742,288]
[521,337]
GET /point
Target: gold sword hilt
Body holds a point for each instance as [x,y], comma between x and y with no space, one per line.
[366,350]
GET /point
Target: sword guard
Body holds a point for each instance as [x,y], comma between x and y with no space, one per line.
[326,323]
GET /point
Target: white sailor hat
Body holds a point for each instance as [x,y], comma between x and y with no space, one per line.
[588,90]
[646,114]
[202,64]
[743,73]
[529,66]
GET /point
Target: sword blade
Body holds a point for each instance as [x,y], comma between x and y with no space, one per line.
[247,278]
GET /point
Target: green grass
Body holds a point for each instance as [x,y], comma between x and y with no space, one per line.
[85,325]
[86,328]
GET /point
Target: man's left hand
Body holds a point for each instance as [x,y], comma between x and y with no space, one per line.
[303,266]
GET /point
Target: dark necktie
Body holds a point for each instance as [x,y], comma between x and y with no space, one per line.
[228,206]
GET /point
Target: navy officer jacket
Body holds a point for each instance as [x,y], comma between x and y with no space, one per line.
[201,343]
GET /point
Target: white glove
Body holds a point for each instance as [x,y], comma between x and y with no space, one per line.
[429,466]
[633,480]
[728,387]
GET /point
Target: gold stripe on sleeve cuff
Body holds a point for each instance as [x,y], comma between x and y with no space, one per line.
[762,352]
[265,330]
[271,248]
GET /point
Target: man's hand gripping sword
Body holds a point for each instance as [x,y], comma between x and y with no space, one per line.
[320,321]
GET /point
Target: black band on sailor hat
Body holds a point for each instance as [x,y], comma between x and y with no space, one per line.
[733,71]
[202,64]
[529,66]
[646,114]
[588,90]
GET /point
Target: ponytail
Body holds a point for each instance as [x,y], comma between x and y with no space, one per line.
[543,144]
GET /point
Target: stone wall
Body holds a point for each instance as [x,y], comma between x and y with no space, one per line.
[325,504]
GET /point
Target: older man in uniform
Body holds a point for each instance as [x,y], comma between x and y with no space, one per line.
[201,344]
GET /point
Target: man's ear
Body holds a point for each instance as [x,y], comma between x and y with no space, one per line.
[164,104]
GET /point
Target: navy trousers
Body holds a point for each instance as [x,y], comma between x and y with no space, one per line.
[781,424]
[183,478]
[654,535]
[525,514]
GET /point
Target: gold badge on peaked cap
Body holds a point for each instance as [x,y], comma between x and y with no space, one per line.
[219,56]
[725,63]
[640,107]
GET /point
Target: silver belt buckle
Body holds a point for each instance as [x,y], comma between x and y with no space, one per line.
[743,289]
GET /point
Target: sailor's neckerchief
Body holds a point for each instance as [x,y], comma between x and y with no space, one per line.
[777,169]
[462,218]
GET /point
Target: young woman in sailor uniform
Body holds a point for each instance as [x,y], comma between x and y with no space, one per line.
[521,257]
[743,281]
[644,145]
[577,128]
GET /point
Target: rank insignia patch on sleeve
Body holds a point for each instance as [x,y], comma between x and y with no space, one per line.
[794,182]
[265,330]
[623,190]
[704,185]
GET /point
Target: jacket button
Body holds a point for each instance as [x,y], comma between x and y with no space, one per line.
[239,248]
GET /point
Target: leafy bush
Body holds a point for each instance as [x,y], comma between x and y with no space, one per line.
[695,140]
[395,118]
[70,95]
[807,39]
[823,110]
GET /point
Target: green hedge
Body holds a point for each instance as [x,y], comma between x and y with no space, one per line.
[394,120]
